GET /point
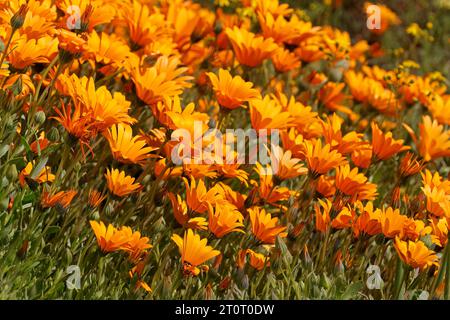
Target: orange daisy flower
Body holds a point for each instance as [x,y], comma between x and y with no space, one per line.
[434,140]
[384,146]
[120,184]
[232,92]
[354,184]
[194,252]
[109,239]
[264,227]
[62,198]
[250,50]
[320,159]
[126,148]
[223,219]
[415,254]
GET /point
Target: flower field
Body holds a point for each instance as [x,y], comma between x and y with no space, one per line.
[224,149]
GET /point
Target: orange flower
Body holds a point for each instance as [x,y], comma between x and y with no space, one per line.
[264,227]
[323,218]
[223,219]
[109,239]
[232,92]
[409,165]
[135,245]
[283,60]
[95,198]
[284,166]
[71,42]
[439,234]
[164,79]
[332,97]
[344,144]
[282,30]
[40,144]
[257,260]
[45,174]
[144,26]
[325,186]
[194,252]
[388,17]
[320,159]
[393,223]
[180,213]
[75,123]
[27,52]
[250,50]
[126,148]
[434,140]
[108,50]
[269,114]
[439,107]
[384,146]
[197,197]
[369,221]
[362,157]
[268,192]
[415,254]
[354,184]
[273,7]
[120,184]
[62,198]
[344,219]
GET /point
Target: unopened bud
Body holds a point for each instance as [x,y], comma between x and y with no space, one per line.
[39,117]
[18,18]
[53,135]
[11,173]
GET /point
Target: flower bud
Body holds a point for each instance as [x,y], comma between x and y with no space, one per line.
[11,173]
[39,117]
[18,18]
[53,135]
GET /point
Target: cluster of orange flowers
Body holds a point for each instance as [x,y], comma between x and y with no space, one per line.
[127,74]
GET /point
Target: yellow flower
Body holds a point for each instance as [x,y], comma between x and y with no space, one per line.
[232,92]
[354,184]
[194,252]
[250,50]
[223,219]
[284,165]
[27,52]
[269,114]
[415,254]
[264,227]
[120,184]
[109,239]
[162,80]
[126,148]
[320,159]
[385,146]
[434,140]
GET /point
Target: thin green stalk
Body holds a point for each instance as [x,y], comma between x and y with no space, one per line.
[7,46]
[447,270]
[399,278]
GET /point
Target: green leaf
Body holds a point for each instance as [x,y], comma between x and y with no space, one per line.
[352,290]
[52,229]
[38,168]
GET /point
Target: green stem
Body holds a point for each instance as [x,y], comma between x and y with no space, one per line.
[399,278]
[7,46]
[442,270]
[447,270]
